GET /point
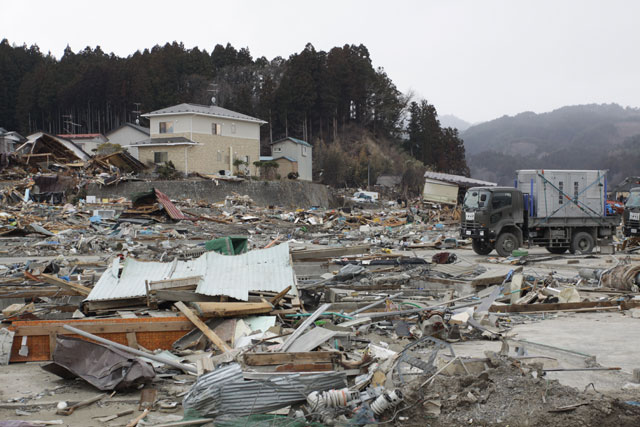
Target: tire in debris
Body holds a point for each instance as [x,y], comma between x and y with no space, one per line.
[506,243]
[557,250]
[582,242]
[481,248]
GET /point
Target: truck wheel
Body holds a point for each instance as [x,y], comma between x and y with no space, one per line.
[556,250]
[582,242]
[506,243]
[481,248]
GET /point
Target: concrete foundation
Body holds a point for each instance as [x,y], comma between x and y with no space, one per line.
[290,194]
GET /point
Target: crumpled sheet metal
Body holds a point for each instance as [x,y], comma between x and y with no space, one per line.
[224,392]
[101,366]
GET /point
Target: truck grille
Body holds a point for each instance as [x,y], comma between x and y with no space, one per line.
[633,224]
[470,224]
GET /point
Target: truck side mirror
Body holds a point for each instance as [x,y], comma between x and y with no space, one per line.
[483,198]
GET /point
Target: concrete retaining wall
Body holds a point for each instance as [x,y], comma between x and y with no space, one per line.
[297,194]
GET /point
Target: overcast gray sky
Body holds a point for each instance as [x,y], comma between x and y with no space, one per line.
[477,59]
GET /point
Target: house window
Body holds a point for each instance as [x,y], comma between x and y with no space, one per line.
[160,157]
[215,129]
[166,127]
[233,128]
[277,149]
[247,159]
[304,150]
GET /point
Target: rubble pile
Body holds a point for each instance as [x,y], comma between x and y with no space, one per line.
[231,312]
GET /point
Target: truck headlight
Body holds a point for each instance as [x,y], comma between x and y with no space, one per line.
[482,233]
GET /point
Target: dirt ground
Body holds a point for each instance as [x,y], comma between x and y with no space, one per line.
[512,394]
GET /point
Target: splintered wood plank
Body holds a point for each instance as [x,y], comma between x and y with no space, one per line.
[267,359]
[305,367]
[230,309]
[215,339]
[76,287]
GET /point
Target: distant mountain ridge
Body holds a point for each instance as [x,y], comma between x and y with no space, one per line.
[594,136]
[451,121]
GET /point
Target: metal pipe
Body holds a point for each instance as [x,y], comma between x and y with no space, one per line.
[187,368]
[418,310]
[374,304]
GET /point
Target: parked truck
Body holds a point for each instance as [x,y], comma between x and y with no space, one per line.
[558,209]
[631,216]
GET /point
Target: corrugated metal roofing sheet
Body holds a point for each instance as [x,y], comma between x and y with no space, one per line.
[230,275]
[223,392]
[172,210]
[458,179]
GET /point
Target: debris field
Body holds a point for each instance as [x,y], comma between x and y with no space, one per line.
[151,311]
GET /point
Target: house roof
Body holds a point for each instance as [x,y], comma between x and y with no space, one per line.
[296,140]
[11,135]
[286,158]
[139,128]
[203,110]
[62,148]
[175,140]
[463,181]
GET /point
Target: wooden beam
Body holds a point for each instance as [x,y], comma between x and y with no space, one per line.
[267,359]
[102,328]
[215,339]
[527,308]
[77,287]
[184,296]
[230,309]
[280,295]
[330,252]
[305,367]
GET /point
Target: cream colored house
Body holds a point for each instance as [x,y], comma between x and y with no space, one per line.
[297,150]
[201,138]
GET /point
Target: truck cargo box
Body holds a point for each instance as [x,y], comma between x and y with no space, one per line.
[563,193]
[440,192]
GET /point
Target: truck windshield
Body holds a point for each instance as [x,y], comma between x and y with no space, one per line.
[634,200]
[476,199]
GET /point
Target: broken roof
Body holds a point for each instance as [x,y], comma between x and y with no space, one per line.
[230,275]
[60,148]
[122,160]
[462,181]
[203,110]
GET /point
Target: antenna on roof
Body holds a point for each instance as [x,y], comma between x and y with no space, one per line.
[69,124]
[137,111]
[214,90]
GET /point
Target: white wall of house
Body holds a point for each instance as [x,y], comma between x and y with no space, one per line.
[127,135]
[192,123]
[301,153]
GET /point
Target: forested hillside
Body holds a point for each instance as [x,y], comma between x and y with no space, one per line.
[322,97]
[575,137]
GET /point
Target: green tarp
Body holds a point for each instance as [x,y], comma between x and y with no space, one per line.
[231,245]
